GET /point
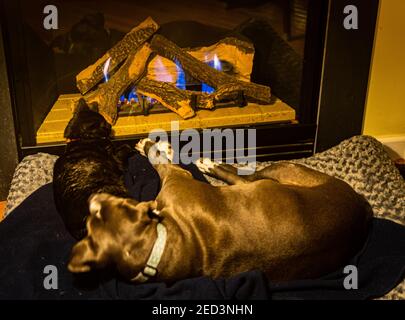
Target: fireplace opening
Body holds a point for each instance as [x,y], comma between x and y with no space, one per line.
[205,64]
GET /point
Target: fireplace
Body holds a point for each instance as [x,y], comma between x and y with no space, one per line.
[272,65]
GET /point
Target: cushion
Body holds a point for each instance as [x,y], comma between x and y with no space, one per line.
[32,172]
[360,161]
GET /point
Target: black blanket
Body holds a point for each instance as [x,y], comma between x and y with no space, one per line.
[33,236]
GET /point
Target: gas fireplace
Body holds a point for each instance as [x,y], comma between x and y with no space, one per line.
[286,68]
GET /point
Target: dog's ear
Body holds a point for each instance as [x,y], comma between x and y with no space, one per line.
[71,130]
[138,212]
[95,201]
[83,257]
[146,206]
[81,106]
[93,106]
[144,211]
[68,133]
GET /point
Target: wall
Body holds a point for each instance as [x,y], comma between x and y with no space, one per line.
[385,109]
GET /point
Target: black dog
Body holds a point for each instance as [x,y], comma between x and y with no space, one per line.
[90,164]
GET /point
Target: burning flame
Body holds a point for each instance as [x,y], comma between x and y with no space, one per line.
[106,77]
[216,64]
[164,76]
[181,77]
[105,69]
[132,96]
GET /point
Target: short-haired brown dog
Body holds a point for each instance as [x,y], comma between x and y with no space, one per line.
[287,220]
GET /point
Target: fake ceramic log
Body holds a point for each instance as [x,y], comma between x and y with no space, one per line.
[183,102]
[234,56]
[107,95]
[201,71]
[92,75]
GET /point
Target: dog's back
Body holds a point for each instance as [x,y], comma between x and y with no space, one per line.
[291,231]
[88,166]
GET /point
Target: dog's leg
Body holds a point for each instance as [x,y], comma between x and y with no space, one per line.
[282,172]
[292,174]
[222,171]
[160,155]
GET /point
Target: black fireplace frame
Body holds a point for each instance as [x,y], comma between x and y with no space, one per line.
[333,97]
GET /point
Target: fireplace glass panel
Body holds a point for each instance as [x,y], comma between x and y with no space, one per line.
[45,63]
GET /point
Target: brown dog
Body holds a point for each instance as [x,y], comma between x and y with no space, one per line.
[287,220]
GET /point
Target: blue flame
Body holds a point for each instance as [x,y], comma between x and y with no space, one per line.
[206,88]
[216,64]
[126,98]
[181,77]
[133,96]
[105,69]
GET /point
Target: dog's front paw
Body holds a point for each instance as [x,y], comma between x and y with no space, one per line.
[157,152]
[165,148]
[205,164]
[140,146]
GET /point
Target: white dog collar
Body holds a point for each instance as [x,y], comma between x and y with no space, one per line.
[150,269]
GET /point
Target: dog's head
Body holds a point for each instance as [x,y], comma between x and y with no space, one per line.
[87,123]
[120,234]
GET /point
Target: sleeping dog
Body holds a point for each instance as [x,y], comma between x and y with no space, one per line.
[287,220]
[90,164]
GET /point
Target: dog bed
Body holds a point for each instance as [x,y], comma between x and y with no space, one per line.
[363,163]
[360,161]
